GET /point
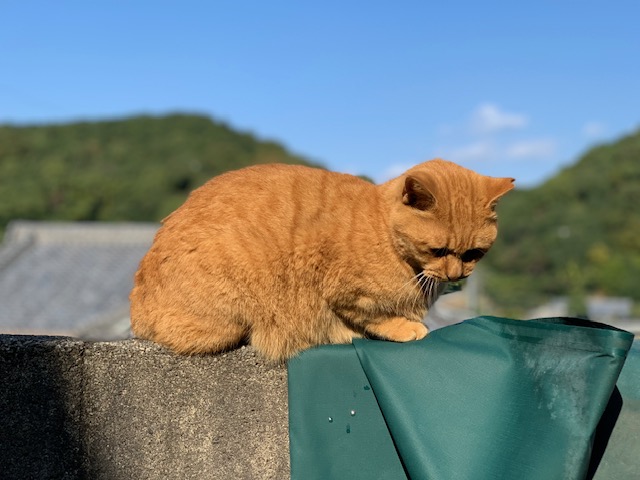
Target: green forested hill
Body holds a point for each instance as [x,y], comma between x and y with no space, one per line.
[576,234]
[140,168]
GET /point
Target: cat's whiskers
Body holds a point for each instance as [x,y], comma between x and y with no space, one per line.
[423,294]
[419,292]
[401,298]
[432,293]
[429,286]
[424,283]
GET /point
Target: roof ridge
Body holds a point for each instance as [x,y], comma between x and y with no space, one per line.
[44,232]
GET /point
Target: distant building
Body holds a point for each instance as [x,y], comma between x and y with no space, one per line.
[556,307]
[599,308]
[616,311]
[609,308]
[74,279]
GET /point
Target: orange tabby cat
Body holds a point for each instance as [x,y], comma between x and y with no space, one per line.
[287,257]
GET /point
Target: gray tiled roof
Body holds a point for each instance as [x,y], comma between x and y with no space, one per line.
[70,278]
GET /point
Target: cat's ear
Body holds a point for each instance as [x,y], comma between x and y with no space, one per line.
[419,192]
[496,188]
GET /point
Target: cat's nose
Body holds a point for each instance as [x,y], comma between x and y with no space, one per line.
[454,270]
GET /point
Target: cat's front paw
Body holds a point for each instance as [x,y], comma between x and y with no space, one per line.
[399,330]
[409,331]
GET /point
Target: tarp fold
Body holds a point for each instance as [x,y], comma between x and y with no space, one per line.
[484,399]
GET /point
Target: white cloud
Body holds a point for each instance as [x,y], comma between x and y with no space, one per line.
[498,143]
[489,118]
[594,129]
[531,149]
[472,152]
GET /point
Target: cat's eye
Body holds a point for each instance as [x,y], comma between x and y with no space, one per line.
[440,252]
[472,255]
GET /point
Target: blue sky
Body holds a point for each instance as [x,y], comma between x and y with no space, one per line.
[505,88]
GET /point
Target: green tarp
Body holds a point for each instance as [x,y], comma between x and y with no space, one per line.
[489,398]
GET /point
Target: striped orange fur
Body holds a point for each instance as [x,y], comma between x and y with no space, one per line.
[288,257]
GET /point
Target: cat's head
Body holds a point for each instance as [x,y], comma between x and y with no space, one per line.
[443,217]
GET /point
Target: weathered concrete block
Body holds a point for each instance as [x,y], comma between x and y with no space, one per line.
[40,407]
[131,409]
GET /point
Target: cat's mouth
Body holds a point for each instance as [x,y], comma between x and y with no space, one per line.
[419,271]
[431,285]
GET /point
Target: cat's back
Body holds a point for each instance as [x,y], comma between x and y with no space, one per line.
[256,224]
[270,196]
[270,181]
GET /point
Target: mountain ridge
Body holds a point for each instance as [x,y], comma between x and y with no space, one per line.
[138,169]
[578,233]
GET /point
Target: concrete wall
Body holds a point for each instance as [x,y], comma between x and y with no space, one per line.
[132,410]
